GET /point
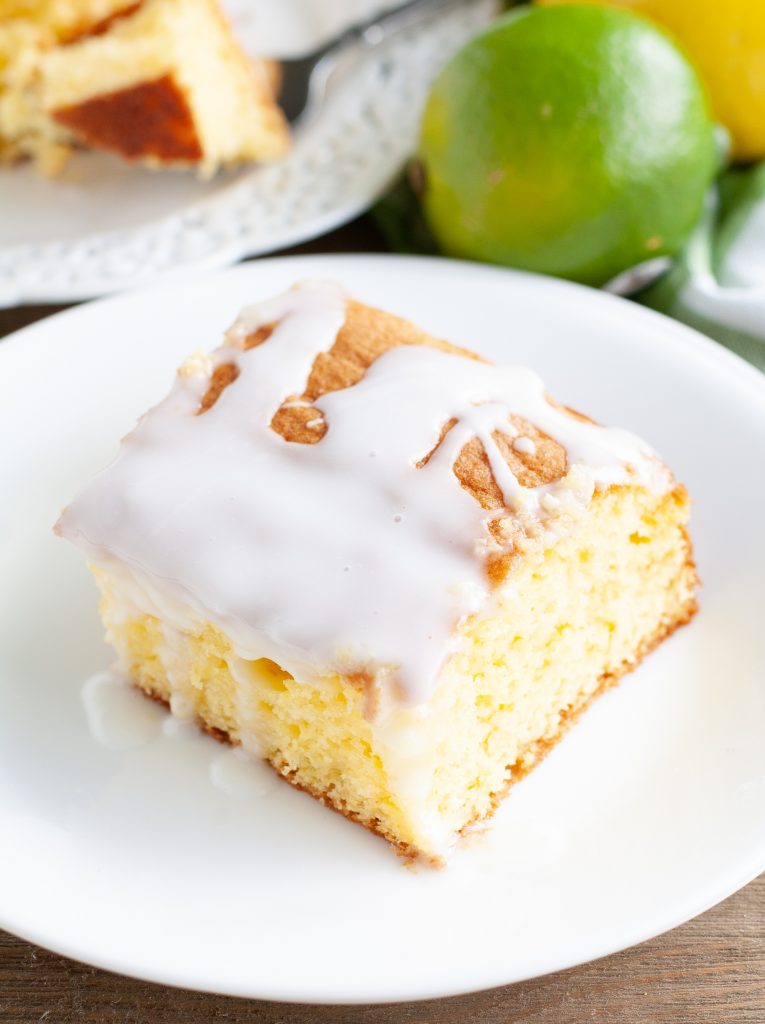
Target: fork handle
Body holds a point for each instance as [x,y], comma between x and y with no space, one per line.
[378,28]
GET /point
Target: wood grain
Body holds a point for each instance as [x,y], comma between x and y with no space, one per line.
[709,971]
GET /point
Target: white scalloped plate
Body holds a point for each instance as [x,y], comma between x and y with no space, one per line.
[649,811]
[105,226]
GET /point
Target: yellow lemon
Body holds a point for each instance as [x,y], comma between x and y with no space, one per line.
[726,41]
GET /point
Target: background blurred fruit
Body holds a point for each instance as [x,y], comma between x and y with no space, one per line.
[574,141]
[726,41]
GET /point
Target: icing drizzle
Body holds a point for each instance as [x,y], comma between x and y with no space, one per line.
[350,554]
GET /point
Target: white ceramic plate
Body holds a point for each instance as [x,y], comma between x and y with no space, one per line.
[105,226]
[651,810]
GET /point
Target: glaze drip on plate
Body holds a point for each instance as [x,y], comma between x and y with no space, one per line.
[361,551]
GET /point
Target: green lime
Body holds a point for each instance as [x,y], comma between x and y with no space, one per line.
[572,140]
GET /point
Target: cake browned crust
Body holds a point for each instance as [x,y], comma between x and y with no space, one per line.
[151,119]
[366,334]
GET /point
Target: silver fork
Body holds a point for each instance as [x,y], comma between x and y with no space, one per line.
[304,79]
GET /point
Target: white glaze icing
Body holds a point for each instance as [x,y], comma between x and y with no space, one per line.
[119,716]
[524,445]
[340,555]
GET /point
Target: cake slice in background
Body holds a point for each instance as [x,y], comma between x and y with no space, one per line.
[393,570]
[162,82]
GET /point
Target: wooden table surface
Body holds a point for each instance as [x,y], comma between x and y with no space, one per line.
[709,971]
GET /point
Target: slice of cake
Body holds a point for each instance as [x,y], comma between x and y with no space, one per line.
[392,569]
[163,82]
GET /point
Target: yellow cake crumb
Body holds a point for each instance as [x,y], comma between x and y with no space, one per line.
[576,616]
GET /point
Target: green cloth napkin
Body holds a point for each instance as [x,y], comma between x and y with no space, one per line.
[717,285]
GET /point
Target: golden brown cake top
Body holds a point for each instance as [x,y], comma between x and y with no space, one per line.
[365,335]
[338,489]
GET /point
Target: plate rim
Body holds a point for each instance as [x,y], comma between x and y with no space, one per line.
[678,335]
[685,335]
